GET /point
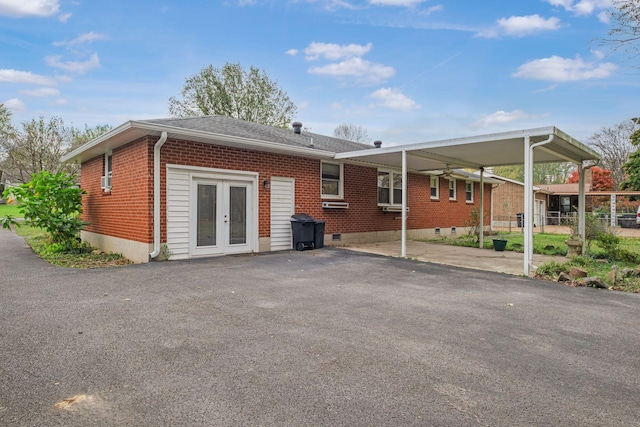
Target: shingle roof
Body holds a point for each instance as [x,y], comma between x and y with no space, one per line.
[240,128]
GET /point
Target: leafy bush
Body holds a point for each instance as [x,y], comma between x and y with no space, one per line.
[552,268]
[53,203]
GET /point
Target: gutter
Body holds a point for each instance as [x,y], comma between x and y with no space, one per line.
[156,195]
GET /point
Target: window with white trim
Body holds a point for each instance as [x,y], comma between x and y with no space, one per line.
[332,180]
[452,189]
[389,187]
[105,182]
[469,191]
[435,187]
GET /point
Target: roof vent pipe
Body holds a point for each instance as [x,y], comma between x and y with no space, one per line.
[377,144]
[297,127]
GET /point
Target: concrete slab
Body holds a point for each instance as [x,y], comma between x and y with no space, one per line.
[442,253]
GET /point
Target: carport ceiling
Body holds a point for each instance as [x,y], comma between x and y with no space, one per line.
[500,149]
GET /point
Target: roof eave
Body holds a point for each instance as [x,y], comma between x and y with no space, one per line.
[153,129]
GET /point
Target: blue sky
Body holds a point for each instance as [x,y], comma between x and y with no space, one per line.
[407,70]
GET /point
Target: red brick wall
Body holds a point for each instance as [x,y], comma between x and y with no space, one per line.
[127,211]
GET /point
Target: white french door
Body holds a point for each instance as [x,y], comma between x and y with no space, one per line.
[222,216]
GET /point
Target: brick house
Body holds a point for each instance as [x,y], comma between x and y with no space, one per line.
[507,201]
[227,186]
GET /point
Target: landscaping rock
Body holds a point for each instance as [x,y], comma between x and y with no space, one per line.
[564,277]
[595,282]
[630,272]
[577,273]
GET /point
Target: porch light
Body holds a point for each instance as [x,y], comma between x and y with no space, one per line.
[266,184]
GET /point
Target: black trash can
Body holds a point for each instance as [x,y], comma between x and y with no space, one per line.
[520,219]
[303,229]
[318,240]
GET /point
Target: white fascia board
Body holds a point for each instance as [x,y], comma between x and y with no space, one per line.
[176,132]
[95,142]
[546,131]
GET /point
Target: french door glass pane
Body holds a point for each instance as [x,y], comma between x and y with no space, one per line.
[206,222]
[237,215]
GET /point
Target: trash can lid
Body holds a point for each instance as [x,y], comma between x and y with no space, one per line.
[302,217]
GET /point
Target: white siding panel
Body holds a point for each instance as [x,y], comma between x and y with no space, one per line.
[282,207]
[178,213]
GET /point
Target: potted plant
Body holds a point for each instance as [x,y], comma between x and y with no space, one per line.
[499,244]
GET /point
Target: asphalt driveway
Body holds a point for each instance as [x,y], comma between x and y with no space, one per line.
[326,337]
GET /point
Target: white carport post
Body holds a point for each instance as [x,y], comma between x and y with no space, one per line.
[581,206]
[528,200]
[481,238]
[403,251]
[528,191]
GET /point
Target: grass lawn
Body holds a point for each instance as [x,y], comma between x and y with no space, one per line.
[11,209]
[597,262]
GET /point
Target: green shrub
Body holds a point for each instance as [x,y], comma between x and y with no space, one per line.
[552,268]
[53,203]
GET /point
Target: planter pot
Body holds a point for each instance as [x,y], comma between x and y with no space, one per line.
[499,244]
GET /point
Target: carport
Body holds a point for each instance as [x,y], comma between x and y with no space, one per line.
[523,147]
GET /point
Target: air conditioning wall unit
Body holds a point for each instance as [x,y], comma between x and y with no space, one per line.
[393,209]
[105,183]
[335,205]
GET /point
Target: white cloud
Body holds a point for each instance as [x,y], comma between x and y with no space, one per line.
[582,7]
[15,76]
[292,52]
[403,3]
[21,8]
[523,25]
[73,66]
[432,9]
[15,104]
[335,106]
[333,51]
[83,38]
[393,98]
[604,17]
[520,26]
[500,118]
[42,92]
[363,70]
[64,17]
[61,101]
[557,69]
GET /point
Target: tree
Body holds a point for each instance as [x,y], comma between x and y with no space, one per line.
[234,92]
[39,146]
[632,166]
[601,179]
[625,31]
[82,136]
[6,132]
[614,145]
[543,173]
[352,132]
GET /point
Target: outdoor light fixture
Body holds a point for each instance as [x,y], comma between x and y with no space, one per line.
[266,184]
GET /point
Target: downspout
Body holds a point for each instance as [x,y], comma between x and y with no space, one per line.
[528,202]
[156,195]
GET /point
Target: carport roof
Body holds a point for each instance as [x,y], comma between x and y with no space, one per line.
[499,149]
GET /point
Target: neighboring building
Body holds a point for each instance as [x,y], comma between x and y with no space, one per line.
[507,202]
[563,201]
[228,186]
